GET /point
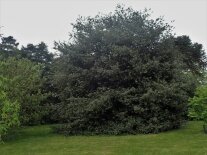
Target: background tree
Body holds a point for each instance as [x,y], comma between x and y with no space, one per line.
[8,47]
[37,53]
[122,73]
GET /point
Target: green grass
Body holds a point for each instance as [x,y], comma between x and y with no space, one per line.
[190,140]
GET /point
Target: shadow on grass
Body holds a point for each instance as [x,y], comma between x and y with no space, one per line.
[27,132]
[43,131]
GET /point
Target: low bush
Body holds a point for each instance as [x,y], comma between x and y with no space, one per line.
[198,106]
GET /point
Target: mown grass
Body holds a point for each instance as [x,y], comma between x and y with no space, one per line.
[39,140]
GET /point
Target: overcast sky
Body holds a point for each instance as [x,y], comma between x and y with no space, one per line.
[32,21]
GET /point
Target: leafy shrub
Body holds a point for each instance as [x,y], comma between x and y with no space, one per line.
[25,87]
[9,111]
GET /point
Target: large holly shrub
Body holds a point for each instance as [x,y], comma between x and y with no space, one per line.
[122,73]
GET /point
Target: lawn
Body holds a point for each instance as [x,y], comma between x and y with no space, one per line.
[189,140]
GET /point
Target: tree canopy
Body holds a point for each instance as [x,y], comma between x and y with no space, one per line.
[123,73]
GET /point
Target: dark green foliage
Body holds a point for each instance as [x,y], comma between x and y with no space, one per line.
[193,54]
[122,73]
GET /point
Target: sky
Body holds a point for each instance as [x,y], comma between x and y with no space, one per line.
[33,21]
